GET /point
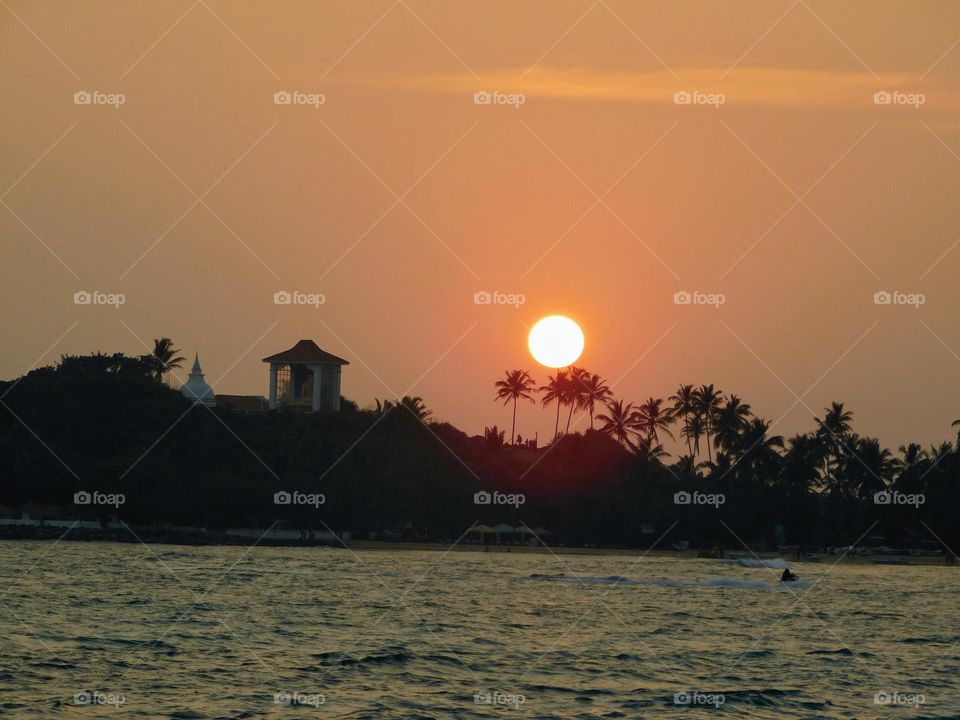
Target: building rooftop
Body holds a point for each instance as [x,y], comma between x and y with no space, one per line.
[243,403]
[306,351]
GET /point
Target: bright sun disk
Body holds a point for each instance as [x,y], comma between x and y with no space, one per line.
[556,341]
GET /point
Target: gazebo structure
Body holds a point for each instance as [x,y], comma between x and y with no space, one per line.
[305,377]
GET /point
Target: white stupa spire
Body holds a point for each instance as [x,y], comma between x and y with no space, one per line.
[196,388]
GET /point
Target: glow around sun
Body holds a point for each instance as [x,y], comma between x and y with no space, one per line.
[556,341]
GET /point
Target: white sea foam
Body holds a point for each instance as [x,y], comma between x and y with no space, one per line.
[760,563]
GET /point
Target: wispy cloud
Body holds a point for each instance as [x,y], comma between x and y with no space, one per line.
[762,86]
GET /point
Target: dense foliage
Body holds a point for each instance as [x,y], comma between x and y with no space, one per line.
[108,423]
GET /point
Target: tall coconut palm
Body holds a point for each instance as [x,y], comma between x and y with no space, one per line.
[618,422]
[684,407]
[938,452]
[576,391]
[163,359]
[801,462]
[728,425]
[869,469]
[652,418]
[911,455]
[516,385]
[555,391]
[761,451]
[595,390]
[833,430]
[707,402]
[693,430]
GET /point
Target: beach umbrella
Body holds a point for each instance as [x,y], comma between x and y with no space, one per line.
[481,529]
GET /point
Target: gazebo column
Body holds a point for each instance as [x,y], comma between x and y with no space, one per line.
[317,387]
[273,386]
[334,400]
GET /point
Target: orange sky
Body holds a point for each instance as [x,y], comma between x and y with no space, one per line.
[398,198]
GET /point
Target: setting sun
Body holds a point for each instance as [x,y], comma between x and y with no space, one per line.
[556,341]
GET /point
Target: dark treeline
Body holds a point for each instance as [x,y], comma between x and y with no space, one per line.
[108,423]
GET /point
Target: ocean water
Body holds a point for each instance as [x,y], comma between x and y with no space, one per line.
[108,630]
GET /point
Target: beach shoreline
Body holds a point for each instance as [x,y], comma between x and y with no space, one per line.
[162,537]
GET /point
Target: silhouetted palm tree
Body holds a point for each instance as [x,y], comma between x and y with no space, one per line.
[801,462]
[576,391]
[515,386]
[493,436]
[728,425]
[759,450]
[619,422]
[651,418]
[833,430]
[693,430]
[707,402]
[413,404]
[911,455]
[595,390]
[163,359]
[416,406]
[868,469]
[648,452]
[555,391]
[684,407]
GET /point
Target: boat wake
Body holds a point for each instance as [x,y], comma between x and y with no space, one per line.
[776,563]
[672,582]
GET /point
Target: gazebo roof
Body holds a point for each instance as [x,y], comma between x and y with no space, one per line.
[306,351]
